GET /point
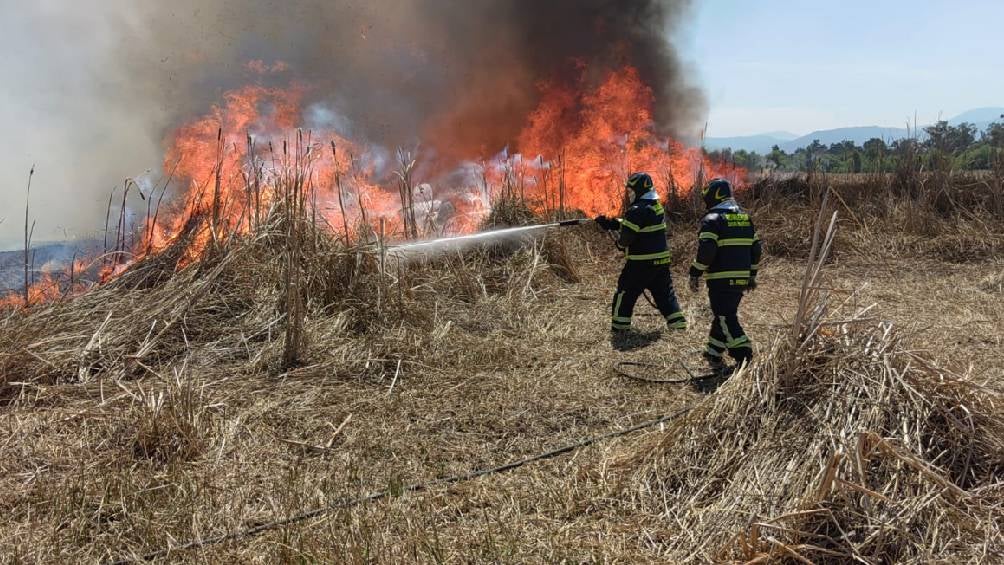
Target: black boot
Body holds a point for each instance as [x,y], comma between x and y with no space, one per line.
[716,364]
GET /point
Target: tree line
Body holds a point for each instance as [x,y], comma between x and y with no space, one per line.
[943,146]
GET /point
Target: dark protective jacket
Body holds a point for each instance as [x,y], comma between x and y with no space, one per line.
[643,231]
[728,249]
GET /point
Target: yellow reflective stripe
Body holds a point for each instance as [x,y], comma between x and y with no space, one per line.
[754,266]
[647,229]
[659,255]
[707,235]
[734,241]
[756,237]
[629,225]
[738,341]
[621,319]
[712,352]
[713,341]
[725,330]
[678,315]
[699,266]
[727,275]
[617,303]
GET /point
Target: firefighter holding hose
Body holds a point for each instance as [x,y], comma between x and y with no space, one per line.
[643,237]
[728,256]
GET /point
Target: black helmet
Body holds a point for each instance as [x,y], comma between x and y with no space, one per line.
[640,183]
[717,191]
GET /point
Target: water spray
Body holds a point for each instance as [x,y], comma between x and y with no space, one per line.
[456,243]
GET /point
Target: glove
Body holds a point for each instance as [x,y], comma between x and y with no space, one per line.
[695,284]
[607,223]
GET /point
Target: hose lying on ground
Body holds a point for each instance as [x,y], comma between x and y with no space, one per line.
[623,368]
[344,503]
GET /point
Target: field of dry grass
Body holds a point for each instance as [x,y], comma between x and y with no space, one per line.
[158,410]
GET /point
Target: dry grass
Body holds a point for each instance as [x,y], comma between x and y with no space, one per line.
[159,409]
[943,219]
[845,446]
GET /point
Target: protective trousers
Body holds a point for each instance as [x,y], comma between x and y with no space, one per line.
[636,278]
[726,333]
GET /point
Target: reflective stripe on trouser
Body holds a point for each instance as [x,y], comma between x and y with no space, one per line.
[676,321]
[617,321]
[636,278]
[715,348]
[726,333]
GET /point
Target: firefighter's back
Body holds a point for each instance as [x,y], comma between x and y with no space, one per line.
[646,218]
[732,229]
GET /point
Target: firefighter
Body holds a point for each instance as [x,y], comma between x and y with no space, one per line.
[728,256]
[643,237]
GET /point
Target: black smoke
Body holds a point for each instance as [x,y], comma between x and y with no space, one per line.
[464,71]
[95,88]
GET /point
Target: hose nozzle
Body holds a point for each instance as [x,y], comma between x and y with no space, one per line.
[576,222]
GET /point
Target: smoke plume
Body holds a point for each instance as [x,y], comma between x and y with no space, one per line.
[458,76]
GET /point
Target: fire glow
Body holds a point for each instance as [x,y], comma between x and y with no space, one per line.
[571,156]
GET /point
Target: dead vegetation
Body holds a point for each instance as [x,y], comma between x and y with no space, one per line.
[948,218]
[840,444]
[165,406]
[847,448]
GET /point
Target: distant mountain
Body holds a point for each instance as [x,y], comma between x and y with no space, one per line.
[783,135]
[762,143]
[979,116]
[858,135]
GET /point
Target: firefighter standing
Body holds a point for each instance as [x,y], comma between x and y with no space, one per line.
[728,255]
[643,236]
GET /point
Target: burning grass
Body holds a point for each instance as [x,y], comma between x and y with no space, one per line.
[232,304]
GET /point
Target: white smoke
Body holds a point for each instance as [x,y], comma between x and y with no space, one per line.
[61,110]
[92,88]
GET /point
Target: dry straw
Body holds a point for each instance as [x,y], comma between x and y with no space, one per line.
[193,410]
[837,445]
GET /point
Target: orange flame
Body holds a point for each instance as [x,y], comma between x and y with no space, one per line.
[575,150]
[49,286]
[233,159]
[602,136]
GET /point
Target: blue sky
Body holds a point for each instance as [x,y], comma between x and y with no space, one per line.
[771,65]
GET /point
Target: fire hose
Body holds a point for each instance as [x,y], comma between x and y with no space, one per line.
[350,502]
[623,368]
[576,222]
[626,368]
